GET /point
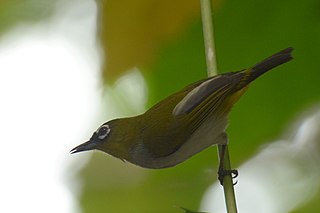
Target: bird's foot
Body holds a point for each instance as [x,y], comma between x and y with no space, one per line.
[222,173]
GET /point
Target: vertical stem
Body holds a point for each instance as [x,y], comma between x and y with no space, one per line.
[208,37]
[212,70]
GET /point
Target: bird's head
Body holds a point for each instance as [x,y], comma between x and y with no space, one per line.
[109,138]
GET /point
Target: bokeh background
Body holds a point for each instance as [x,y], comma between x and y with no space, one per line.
[68,66]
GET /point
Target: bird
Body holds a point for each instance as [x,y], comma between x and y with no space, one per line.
[181,125]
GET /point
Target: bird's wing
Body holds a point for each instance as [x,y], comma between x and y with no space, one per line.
[215,87]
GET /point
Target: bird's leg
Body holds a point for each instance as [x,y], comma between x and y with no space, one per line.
[224,172]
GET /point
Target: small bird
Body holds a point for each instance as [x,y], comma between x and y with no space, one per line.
[182,124]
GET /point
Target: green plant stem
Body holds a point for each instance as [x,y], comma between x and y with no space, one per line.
[207,27]
[212,70]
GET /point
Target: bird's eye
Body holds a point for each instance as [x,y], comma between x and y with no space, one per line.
[103,131]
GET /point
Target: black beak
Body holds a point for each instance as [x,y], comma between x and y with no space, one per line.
[89,145]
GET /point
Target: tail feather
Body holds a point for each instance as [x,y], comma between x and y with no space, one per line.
[270,63]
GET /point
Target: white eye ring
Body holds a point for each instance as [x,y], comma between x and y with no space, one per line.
[105,132]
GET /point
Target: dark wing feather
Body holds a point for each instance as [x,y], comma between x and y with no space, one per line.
[211,86]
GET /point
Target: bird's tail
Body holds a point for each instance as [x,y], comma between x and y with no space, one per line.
[268,64]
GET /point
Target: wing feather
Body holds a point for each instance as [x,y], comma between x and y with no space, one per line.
[210,87]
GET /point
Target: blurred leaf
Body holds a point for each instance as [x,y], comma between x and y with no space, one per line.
[312,206]
[13,12]
[133,31]
[180,63]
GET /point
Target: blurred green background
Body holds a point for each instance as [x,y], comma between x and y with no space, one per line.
[164,40]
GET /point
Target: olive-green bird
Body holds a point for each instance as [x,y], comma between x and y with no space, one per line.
[182,124]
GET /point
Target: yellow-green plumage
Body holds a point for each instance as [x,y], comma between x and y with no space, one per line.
[182,124]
